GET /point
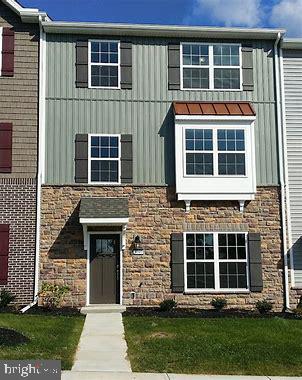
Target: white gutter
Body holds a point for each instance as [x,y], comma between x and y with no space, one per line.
[148,30]
[41,153]
[286,183]
[281,168]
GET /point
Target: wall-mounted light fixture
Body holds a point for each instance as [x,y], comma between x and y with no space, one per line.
[137,246]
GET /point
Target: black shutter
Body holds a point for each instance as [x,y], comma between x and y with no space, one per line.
[8,48]
[174,66]
[177,263]
[81,158]
[247,68]
[6,136]
[4,250]
[82,64]
[255,262]
[126,159]
[126,65]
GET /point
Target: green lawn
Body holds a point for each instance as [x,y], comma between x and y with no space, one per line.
[242,346]
[51,337]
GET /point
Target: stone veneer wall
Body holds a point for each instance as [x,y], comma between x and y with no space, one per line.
[154,215]
[18,209]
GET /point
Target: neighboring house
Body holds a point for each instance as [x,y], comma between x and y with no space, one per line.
[19,85]
[292,122]
[161,165]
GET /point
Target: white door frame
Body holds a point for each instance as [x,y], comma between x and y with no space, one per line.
[88,263]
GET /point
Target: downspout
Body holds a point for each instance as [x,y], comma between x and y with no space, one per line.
[41,152]
[281,169]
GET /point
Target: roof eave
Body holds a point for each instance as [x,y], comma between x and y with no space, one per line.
[159,30]
[292,43]
[27,15]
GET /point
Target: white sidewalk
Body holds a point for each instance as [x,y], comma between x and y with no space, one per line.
[70,375]
[102,345]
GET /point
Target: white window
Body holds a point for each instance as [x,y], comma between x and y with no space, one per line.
[216,261]
[211,66]
[104,64]
[218,152]
[104,159]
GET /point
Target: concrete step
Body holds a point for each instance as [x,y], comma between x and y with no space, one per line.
[103,309]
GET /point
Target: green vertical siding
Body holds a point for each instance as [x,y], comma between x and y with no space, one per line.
[143,111]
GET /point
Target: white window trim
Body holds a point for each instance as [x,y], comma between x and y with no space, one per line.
[1,32]
[104,64]
[215,151]
[216,262]
[211,67]
[104,158]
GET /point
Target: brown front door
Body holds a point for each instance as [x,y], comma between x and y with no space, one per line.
[104,269]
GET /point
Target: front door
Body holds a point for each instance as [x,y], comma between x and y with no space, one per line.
[104,269]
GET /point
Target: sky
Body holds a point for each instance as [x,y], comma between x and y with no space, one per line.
[245,13]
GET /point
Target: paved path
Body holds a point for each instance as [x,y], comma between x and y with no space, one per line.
[102,345]
[70,375]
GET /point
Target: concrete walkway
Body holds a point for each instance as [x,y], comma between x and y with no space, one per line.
[70,375]
[102,345]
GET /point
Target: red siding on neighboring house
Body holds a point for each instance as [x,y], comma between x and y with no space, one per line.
[8,46]
[6,147]
[4,249]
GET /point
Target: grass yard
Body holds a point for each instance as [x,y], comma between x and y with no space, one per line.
[239,346]
[51,337]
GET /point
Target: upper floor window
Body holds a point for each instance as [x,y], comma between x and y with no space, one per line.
[104,64]
[215,152]
[211,66]
[104,159]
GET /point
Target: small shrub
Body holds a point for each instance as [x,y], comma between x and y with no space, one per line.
[6,298]
[264,306]
[52,295]
[218,303]
[299,306]
[167,305]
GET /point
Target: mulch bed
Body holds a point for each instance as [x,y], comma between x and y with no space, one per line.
[202,313]
[39,310]
[10,337]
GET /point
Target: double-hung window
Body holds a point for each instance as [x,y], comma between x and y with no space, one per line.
[199,151]
[215,152]
[104,64]
[211,66]
[216,262]
[104,159]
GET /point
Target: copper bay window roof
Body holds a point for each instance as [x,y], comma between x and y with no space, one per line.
[213,108]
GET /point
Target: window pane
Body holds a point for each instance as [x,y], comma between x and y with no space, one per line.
[200,275]
[231,164]
[105,76]
[104,147]
[226,55]
[194,54]
[233,275]
[199,163]
[104,171]
[227,78]
[195,78]
[190,240]
[190,253]
[199,139]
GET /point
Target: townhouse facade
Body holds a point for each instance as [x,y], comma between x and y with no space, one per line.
[19,88]
[161,175]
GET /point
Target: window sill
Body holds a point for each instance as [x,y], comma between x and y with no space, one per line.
[208,291]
